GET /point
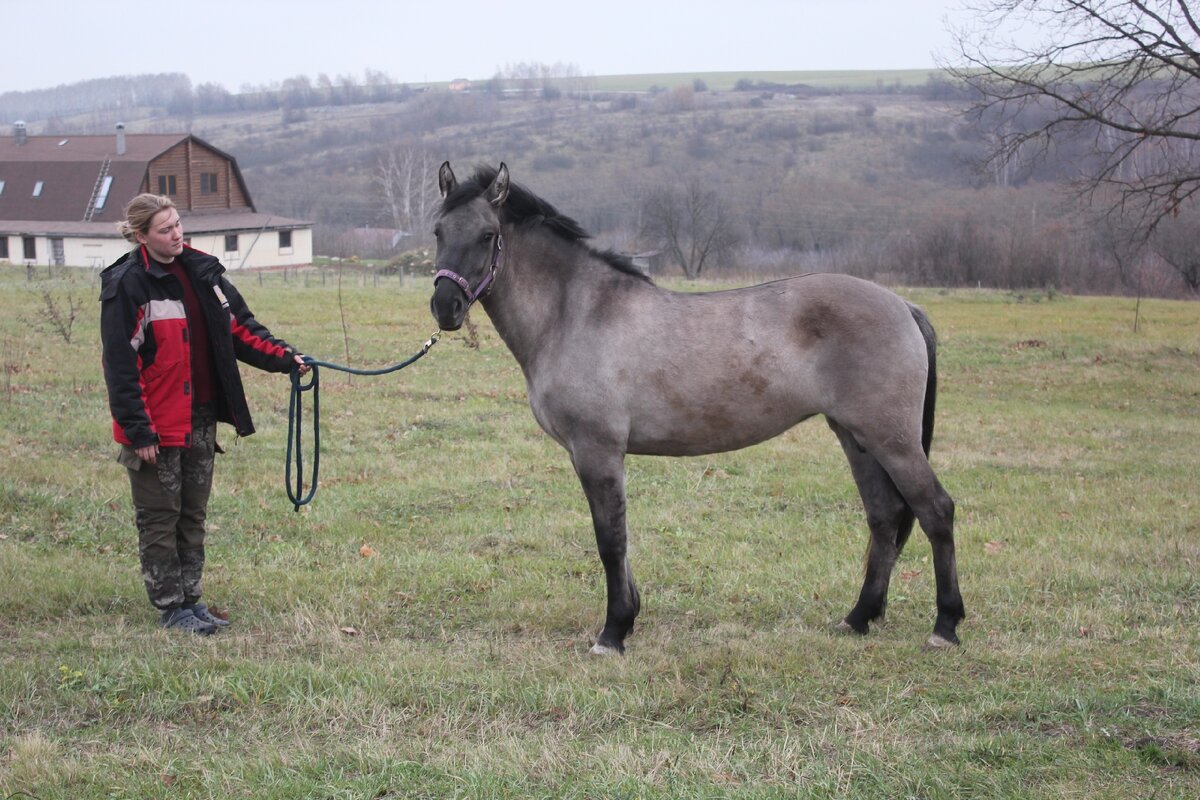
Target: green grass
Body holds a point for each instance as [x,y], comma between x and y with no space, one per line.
[450,661]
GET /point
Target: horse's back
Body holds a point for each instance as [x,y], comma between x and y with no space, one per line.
[678,373]
[822,325]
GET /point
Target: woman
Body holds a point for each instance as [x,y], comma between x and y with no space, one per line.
[173,328]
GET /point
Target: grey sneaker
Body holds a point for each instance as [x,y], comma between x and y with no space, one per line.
[202,613]
[183,619]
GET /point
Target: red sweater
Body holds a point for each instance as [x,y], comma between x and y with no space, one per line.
[203,383]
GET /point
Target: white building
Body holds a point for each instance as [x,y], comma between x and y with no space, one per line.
[62,196]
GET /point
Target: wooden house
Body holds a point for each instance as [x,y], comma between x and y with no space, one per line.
[61,198]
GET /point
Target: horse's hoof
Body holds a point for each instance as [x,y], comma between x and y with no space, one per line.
[603,651]
[936,642]
[846,627]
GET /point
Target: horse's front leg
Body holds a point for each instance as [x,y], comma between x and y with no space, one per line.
[602,475]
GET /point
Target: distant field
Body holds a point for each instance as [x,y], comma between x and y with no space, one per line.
[420,631]
[850,79]
[724,81]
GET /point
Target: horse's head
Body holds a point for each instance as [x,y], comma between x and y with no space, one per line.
[468,244]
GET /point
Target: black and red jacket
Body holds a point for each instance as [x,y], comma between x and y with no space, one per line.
[147,358]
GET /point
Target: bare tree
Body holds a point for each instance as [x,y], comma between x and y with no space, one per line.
[530,76]
[348,90]
[402,175]
[1176,243]
[691,224]
[1119,77]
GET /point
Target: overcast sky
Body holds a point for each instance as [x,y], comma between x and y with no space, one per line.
[259,42]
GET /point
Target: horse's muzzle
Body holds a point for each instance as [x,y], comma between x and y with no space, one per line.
[448,305]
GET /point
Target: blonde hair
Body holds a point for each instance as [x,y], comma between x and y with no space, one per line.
[140,212]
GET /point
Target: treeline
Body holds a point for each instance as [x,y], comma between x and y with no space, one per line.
[1016,239]
[175,94]
[121,93]
[292,95]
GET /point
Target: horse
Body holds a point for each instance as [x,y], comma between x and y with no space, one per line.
[616,365]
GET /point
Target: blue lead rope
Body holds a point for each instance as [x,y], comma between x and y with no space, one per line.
[297,496]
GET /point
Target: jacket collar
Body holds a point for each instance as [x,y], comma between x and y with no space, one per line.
[203,266]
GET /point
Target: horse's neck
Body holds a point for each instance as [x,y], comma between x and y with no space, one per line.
[534,285]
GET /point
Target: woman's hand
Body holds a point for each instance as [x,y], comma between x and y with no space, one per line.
[304,367]
[149,453]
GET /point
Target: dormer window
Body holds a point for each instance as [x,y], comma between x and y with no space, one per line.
[37,188]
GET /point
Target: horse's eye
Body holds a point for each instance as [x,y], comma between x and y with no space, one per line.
[437,233]
[488,237]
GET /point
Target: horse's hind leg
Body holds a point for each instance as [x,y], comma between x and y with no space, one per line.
[890,521]
[602,475]
[912,475]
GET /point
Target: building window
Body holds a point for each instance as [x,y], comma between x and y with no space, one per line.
[102,196]
[285,239]
[231,243]
[208,183]
[3,247]
[37,188]
[1,187]
[166,185]
[30,244]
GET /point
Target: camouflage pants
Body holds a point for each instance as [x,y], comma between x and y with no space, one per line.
[170,501]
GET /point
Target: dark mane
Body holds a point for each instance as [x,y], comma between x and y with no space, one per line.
[525,209]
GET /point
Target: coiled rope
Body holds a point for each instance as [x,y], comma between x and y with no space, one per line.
[297,496]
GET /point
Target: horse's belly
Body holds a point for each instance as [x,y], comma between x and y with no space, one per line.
[710,429]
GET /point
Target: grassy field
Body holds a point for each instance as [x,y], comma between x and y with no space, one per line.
[832,80]
[420,631]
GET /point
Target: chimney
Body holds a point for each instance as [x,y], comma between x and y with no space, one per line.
[19,131]
[120,138]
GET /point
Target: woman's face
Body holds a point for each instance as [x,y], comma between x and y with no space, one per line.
[164,237]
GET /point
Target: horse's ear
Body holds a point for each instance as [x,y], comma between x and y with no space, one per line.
[497,193]
[446,179]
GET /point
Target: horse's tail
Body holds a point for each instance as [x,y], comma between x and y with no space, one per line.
[930,337]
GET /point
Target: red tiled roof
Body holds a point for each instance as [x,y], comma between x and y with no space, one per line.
[67,188]
[69,167]
[139,147]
